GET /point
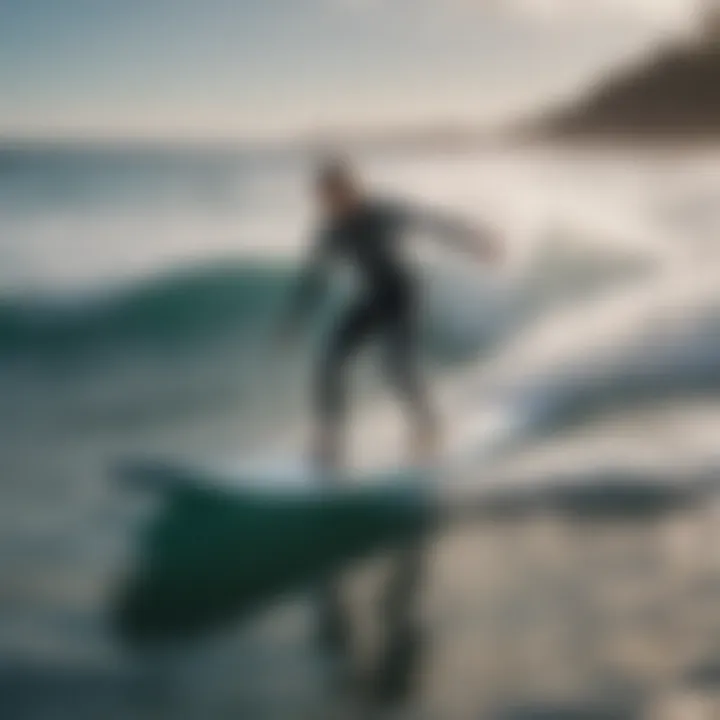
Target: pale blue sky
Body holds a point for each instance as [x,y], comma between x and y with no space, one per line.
[266,67]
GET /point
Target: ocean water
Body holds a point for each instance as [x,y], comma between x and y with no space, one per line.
[138,291]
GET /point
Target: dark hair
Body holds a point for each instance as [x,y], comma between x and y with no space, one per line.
[334,172]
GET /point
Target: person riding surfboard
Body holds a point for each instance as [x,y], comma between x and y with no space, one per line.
[365,232]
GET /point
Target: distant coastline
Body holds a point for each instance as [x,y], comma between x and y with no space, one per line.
[671,96]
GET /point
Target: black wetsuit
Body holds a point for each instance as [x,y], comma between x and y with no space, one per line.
[369,239]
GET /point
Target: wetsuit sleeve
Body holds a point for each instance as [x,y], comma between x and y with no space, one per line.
[457,232]
[311,284]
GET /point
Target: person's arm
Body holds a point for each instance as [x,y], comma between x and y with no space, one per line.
[480,242]
[308,290]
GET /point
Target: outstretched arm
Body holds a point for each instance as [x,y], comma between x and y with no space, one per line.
[480,242]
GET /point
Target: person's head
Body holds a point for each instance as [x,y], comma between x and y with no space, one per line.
[338,189]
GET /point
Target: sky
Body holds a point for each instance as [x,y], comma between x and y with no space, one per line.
[265,68]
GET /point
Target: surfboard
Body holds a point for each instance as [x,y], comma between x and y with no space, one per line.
[216,551]
[224,544]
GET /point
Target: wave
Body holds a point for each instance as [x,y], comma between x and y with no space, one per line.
[658,341]
[177,309]
[233,301]
[627,464]
[220,303]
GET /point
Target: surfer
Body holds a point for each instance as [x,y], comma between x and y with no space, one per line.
[365,232]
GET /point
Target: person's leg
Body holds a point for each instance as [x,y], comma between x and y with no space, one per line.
[345,340]
[331,399]
[404,370]
[403,639]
